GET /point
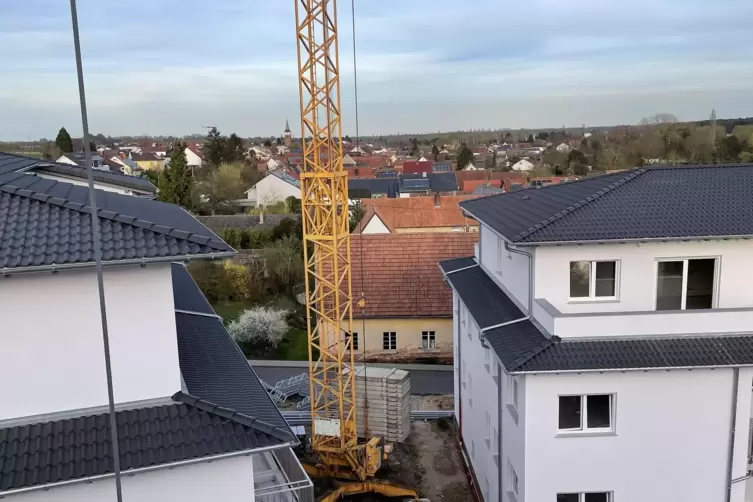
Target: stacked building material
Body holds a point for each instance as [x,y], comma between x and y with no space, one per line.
[383,403]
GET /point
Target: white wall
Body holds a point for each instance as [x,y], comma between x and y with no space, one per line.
[637,278]
[80,182]
[272,189]
[51,339]
[375,226]
[522,165]
[671,442]
[511,271]
[192,158]
[513,433]
[229,479]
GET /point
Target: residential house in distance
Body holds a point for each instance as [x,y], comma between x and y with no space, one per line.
[603,337]
[373,188]
[523,165]
[412,185]
[275,187]
[79,159]
[193,420]
[415,215]
[147,161]
[194,156]
[408,310]
[72,174]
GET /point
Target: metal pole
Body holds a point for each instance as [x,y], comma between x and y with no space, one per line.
[97,253]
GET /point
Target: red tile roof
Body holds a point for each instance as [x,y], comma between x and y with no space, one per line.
[400,274]
[417,212]
[417,167]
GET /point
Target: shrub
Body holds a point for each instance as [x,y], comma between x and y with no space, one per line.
[259,330]
[232,237]
[237,280]
[258,238]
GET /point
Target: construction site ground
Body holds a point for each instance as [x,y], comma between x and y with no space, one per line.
[429,460]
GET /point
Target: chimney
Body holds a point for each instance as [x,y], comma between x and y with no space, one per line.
[436,199]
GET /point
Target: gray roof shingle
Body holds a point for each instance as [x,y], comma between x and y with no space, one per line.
[646,203]
[77,448]
[525,347]
[45,222]
[15,163]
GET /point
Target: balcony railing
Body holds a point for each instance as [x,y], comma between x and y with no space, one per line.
[279,477]
[662,322]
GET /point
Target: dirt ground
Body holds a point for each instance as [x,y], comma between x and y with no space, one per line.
[431,402]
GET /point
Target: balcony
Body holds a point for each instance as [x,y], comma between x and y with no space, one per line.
[279,477]
[663,322]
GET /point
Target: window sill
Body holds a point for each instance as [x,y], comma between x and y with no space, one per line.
[581,434]
[513,412]
[606,299]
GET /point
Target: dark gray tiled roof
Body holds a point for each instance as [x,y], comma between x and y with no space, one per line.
[76,448]
[14,163]
[643,353]
[524,347]
[386,186]
[647,203]
[438,182]
[487,303]
[457,264]
[187,295]
[45,222]
[212,365]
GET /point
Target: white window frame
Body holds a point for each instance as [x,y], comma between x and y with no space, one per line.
[390,338]
[514,480]
[500,253]
[462,313]
[584,429]
[684,297]
[514,392]
[353,339]
[582,495]
[428,340]
[592,282]
[487,359]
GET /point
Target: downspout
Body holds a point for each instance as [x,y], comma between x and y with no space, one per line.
[500,470]
[732,425]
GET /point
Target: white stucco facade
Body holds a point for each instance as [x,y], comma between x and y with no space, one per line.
[272,190]
[52,322]
[219,480]
[523,165]
[671,433]
[375,226]
[193,159]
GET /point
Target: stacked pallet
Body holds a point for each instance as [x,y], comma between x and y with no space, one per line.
[383,403]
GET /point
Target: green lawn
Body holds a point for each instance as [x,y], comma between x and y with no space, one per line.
[294,346]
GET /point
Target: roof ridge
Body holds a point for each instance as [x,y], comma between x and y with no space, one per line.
[280,433]
[632,174]
[107,214]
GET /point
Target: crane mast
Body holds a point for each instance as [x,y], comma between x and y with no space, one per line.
[324,198]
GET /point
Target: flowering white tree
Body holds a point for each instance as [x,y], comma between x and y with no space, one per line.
[262,327]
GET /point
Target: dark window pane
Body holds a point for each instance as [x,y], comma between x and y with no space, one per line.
[596,497]
[567,497]
[598,411]
[580,272]
[569,412]
[606,273]
[700,284]
[669,286]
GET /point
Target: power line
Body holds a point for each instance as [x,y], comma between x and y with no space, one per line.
[97,252]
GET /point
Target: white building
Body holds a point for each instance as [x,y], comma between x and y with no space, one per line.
[105,180]
[193,157]
[275,187]
[79,159]
[604,339]
[563,148]
[523,165]
[194,422]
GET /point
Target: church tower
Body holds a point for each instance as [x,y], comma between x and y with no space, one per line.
[288,135]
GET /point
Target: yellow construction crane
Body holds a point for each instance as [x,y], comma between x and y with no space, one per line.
[326,239]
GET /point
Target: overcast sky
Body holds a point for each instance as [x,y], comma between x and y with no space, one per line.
[173,66]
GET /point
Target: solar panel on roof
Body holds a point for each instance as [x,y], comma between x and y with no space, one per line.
[421,183]
[388,174]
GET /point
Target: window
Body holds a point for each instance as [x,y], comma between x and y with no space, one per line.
[389,340]
[685,284]
[585,413]
[593,279]
[461,308]
[513,478]
[487,358]
[495,442]
[500,254]
[488,428]
[584,497]
[353,339]
[428,340]
[514,391]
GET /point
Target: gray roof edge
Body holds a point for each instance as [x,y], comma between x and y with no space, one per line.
[637,240]
[603,370]
[114,263]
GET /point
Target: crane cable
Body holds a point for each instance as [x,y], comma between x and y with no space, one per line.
[362,301]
